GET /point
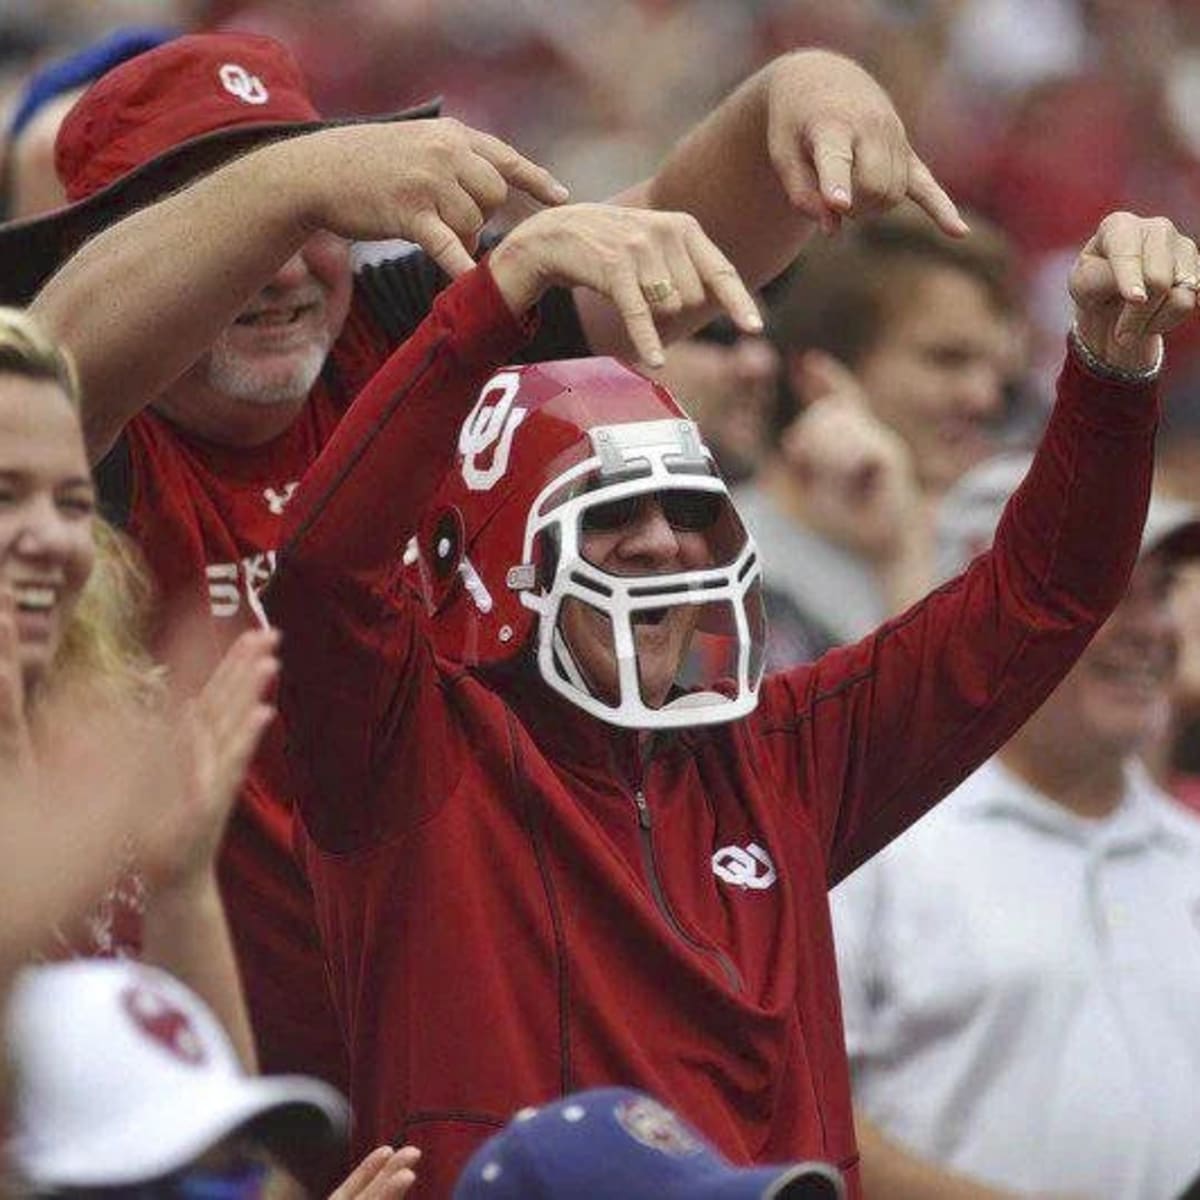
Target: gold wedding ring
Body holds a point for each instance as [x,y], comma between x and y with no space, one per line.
[658,290]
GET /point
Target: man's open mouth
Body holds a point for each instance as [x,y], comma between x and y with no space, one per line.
[650,616]
[276,316]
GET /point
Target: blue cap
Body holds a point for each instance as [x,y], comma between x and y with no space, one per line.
[617,1144]
[82,67]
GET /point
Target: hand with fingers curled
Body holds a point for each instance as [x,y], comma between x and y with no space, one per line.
[434,182]
[1135,280]
[839,146]
[651,265]
[857,478]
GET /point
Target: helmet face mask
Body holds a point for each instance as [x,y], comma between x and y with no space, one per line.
[650,616]
[609,547]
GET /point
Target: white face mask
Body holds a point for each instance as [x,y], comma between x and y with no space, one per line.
[651,616]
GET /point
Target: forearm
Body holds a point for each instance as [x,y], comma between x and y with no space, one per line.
[185,933]
[181,269]
[892,1173]
[721,172]
[907,575]
[946,683]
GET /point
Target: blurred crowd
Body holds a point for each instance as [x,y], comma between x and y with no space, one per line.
[1041,114]
[873,431]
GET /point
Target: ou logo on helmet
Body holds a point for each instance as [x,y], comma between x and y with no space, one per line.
[750,867]
[490,428]
[239,83]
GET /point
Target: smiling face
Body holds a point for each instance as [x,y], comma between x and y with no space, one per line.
[257,375]
[646,545]
[728,390]
[936,374]
[46,505]
[1118,694]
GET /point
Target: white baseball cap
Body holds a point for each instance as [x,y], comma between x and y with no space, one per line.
[970,511]
[123,1075]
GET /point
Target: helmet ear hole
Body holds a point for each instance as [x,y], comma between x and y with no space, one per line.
[445,548]
[546,552]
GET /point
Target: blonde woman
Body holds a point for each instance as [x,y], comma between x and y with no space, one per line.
[87,720]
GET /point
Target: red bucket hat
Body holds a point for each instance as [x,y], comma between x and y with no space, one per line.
[155,123]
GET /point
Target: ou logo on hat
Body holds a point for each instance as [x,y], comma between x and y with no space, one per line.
[238,82]
[159,1019]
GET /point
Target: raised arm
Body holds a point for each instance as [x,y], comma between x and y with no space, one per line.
[402,430]
[349,648]
[807,140]
[144,299]
[912,709]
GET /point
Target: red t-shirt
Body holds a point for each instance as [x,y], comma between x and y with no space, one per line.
[207,519]
[516,904]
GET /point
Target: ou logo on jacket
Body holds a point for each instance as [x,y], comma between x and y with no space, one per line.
[745,868]
[239,83]
[490,427]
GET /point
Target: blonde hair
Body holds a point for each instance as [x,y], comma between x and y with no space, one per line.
[104,645]
[25,350]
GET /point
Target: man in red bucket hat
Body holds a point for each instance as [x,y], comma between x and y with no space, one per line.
[202,440]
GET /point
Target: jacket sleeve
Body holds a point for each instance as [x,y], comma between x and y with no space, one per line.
[350,647]
[873,734]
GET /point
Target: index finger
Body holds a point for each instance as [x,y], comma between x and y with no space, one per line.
[441,243]
[724,283]
[521,172]
[362,1174]
[924,189]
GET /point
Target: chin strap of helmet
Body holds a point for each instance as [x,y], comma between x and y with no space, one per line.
[566,661]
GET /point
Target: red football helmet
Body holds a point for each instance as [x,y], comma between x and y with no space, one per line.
[584,516]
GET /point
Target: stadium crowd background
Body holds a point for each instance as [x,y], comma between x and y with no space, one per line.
[1040,115]
[1043,115]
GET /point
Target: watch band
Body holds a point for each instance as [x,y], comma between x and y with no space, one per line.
[1097,366]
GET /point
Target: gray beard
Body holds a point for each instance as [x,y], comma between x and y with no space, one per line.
[232,376]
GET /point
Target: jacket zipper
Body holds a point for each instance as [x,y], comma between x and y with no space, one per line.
[645,827]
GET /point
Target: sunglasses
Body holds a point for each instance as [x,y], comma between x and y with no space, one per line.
[685,511]
[246,1181]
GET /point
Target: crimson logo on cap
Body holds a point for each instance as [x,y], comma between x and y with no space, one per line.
[238,82]
[656,1127]
[158,1018]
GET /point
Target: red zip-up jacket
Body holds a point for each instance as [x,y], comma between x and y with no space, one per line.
[516,901]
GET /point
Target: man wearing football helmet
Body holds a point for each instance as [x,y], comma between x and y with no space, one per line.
[609,552]
[560,832]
